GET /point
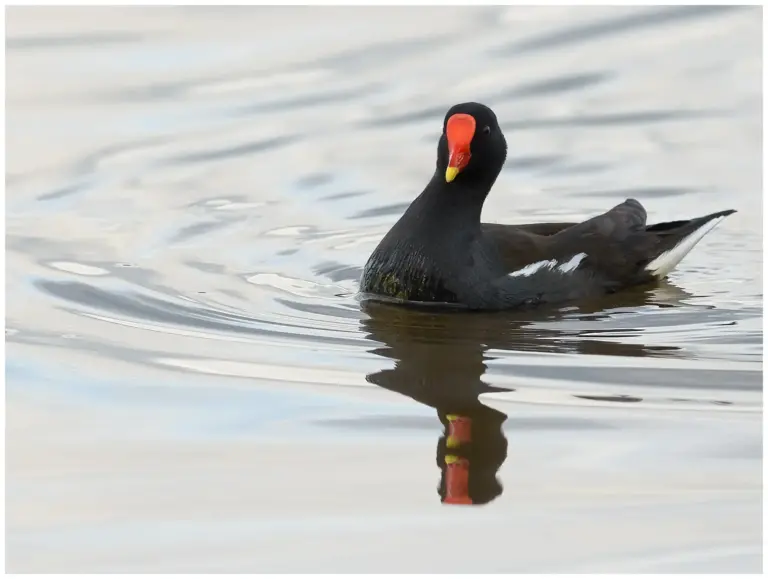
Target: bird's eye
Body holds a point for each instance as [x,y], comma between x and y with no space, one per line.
[486,130]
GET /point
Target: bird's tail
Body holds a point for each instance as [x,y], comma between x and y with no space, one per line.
[678,238]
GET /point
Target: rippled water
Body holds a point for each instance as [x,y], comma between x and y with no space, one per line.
[191,383]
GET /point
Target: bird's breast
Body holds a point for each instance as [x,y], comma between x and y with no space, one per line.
[408,279]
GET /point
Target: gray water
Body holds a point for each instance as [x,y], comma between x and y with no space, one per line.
[191,383]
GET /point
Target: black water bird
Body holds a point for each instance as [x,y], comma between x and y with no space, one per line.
[439,251]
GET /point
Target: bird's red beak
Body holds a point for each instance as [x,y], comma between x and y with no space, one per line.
[460,130]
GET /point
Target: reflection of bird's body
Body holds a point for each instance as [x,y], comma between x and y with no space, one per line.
[441,368]
[440,360]
[439,251]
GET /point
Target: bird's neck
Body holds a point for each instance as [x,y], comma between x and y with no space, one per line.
[454,204]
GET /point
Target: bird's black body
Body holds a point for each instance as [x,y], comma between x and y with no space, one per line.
[439,251]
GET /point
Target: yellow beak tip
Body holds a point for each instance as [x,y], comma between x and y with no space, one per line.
[450,174]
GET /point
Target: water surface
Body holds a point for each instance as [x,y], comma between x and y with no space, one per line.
[191,384]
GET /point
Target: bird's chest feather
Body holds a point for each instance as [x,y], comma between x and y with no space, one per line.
[410,274]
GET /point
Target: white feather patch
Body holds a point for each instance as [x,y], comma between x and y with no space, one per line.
[551,264]
[572,263]
[668,260]
[532,268]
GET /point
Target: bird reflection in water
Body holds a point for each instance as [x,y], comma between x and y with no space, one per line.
[440,366]
[439,360]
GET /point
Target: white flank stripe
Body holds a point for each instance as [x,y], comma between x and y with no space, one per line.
[668,260]
[533,268]
[551,264]
[572,263]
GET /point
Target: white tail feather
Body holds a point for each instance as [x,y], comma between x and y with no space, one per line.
[667,261]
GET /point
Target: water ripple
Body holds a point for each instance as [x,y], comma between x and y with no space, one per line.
[593,31]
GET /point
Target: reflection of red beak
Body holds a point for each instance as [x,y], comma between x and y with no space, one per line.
[459,130]
[459,430]
[456,481]
[457,469]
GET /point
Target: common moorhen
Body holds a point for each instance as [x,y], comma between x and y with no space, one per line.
[440,252]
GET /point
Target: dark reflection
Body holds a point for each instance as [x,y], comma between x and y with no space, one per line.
[446,375]
[440,359]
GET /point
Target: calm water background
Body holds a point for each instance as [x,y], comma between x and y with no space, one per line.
[191,385]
